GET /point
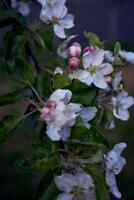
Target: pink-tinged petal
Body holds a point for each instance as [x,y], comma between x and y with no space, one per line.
[66,182]
[59,31]
[87,60]
[65,196]
[99,81]
[67,22]
[105,68]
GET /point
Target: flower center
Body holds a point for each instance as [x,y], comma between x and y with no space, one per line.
[92,69]
[55,20]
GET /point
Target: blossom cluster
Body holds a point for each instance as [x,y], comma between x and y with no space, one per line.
[94,67]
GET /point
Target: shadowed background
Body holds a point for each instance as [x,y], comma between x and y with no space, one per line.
[111,20]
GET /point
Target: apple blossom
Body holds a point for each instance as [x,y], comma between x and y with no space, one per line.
[74,63]
[79,186]
[59,115]
[55,12]
[114,164]
[94,70]
[120,104]
[74,50]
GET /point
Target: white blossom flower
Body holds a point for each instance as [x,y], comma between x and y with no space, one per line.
[58,70]
[62,50]
[79,186]
[87,114]
[117,80]
[121,103]
[128,56]
[55,12]
[114,164]
[59,114]
[94,70]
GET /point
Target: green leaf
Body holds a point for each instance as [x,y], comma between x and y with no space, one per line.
[94,40]
[13,97]
[60,81]
[46,184]
[7,126]
[101,189]
[10,17]
[117,49]
[82,93]
[30,124]
[46,33]
[43,85]
[92,136]
[39,165]
[44,147]
[51,192]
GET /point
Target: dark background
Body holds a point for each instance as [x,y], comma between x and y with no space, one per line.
[111,20]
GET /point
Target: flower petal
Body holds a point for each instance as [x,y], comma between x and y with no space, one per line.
[111,182]
[122,114]
[53,132]
[118,148]
[99,81]
[67,22]
[59,31]
[88,113]
[105,68]
[66,182]
[84,181]
[65,196]
[61,95]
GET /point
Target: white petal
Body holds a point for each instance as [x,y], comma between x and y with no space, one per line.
[88,113]
[73,107]
[119,165]
[59,11]
[14,3]
[83,76]
[52,132]
[61,95]
[46,15]
[65,133]
[66,182]
[122,114]
[23,8]
[99,81]
[105,68]
[84,181]
[109,56]
[87,60]
[128,56]
[67,22]
[59,31]
[127,102]
[118,148]
[65,196]
[111,182]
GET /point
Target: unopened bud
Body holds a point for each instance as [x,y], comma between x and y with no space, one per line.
[74,50]
[74,63]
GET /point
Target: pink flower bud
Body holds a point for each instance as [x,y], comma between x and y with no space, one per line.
[89,49]
[74,50]
[48,112]
[74,63]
